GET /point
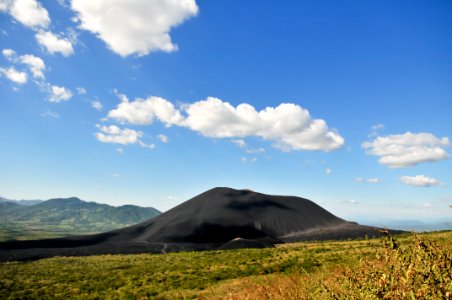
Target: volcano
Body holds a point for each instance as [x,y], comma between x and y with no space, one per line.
[221,218]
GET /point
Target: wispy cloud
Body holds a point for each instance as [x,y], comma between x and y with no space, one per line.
[368,180]
[97,105]
[51,114]
[163,138]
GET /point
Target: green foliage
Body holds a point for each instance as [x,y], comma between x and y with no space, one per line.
[311,270]
[420,269]
[62,217]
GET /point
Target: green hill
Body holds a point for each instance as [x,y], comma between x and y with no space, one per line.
[61,217]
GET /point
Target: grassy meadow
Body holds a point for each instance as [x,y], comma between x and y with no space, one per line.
[412,266]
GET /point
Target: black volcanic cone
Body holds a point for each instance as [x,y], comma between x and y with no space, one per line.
[223,214]
[219,217]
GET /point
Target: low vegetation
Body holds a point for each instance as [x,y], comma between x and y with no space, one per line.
[411,268]
[414,266]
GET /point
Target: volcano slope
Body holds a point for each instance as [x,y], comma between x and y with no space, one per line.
[221,218]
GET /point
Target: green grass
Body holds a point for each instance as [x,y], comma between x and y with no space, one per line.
[183,275]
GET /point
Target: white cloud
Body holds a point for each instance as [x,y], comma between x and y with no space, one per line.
[147,24]
[328,171]
[81,90]
[246,159]
[144,145]
[420,181]
[59,94]
[408,149]
[115,175]
[54,44]
[163,138]
[36,65]
[373,180]
[289,126]
[241,143]
[9,53]
[28,12]
[96,105]
[114,134]
[4,5]
[369,180]
[15,76]
[145,111]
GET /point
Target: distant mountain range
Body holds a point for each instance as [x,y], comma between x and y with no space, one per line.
[21,202]
[25,219]
[413,225]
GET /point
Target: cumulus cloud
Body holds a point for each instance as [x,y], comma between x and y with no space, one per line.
[35,64]
[420,181]
[147,26]
[53,43]
[114,134]
[15,76]
[288,125]
[163,138]
[59,94]
[96,105]
[408,149]
[28,12]
[145,111]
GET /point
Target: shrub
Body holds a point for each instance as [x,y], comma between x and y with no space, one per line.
[420,269]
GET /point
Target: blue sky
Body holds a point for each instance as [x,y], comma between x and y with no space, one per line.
[346,103]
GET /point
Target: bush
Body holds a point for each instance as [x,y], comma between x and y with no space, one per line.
[420,269]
